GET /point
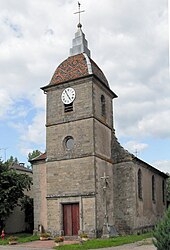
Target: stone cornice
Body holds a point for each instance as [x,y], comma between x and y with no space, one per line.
[68,195]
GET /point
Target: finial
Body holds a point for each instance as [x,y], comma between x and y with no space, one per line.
[78,12]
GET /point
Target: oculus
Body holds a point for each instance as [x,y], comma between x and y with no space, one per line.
[69,142]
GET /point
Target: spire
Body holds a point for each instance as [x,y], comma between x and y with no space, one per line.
[80,44]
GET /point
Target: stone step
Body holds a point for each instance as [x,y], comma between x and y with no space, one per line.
[71,238]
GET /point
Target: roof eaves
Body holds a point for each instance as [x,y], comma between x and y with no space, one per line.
[151,167]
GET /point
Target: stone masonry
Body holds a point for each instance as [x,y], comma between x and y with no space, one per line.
[93,186]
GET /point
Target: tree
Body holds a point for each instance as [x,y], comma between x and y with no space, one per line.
[34,154]
[12,187]
[12,160]
[161,232]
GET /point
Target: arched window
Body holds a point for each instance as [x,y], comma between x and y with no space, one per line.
[103,105]
[153,188]
[163,191]
[140,184]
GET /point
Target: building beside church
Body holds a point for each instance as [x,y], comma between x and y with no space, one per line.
[16,222]
[86,181]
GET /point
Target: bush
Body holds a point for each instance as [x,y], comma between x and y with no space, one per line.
[59,239]
[83,235]
[162,232]
[45,235]
[13,238]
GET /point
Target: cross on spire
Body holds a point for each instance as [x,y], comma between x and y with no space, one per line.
[136,152]
[79,12]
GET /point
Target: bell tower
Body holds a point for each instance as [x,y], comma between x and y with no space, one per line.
[79,129]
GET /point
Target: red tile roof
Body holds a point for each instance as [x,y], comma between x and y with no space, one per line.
[39,158]
[77,66]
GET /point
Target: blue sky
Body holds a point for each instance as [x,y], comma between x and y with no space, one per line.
[128,40]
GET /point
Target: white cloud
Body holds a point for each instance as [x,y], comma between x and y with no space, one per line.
[5,103]
[35,132]
[135,147]
[156,124]
[128,40]
[163,165]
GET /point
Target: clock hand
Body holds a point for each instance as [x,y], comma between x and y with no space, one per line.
[67,95]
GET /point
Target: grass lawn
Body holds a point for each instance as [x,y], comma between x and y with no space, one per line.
[91,244]
[101,243]
[22,237]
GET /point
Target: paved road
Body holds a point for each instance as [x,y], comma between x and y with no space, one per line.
[34,245]
[131,247]
[21,248]
[125,247]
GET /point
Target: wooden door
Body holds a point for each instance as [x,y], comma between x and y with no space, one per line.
[71,224]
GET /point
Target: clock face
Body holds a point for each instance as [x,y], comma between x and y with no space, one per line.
[68,95]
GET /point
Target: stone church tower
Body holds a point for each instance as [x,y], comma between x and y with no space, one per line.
[86,182]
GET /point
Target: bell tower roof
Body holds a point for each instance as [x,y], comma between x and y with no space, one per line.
[80,44]
[79,63]
[75,67]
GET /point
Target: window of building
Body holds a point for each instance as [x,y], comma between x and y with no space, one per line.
[103,106]
[68,107]
[163,191]
[153,188]
[140,184]
[69,142]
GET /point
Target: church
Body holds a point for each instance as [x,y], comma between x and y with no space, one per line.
[86,181]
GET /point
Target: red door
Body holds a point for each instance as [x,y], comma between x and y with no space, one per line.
[71,219]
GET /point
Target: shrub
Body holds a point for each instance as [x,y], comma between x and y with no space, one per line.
[162,232]
[83,235]
[45,235]
[13,238]
[59,239]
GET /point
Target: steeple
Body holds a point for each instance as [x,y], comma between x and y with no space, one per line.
[80,44]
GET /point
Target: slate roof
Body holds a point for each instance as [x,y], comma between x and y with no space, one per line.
[20,167]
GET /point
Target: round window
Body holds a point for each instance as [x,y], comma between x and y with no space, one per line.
[69,142]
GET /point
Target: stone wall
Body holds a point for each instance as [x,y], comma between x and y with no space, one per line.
[16,221]
[87,214]
[82,133]
[99,90]
[104,195]
[39,192]
[71,176]
[102,137]
[71,181]
[133,214]
[148,212]
[124,196]
[82,105]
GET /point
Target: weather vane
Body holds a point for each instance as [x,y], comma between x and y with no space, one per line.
[79,12]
